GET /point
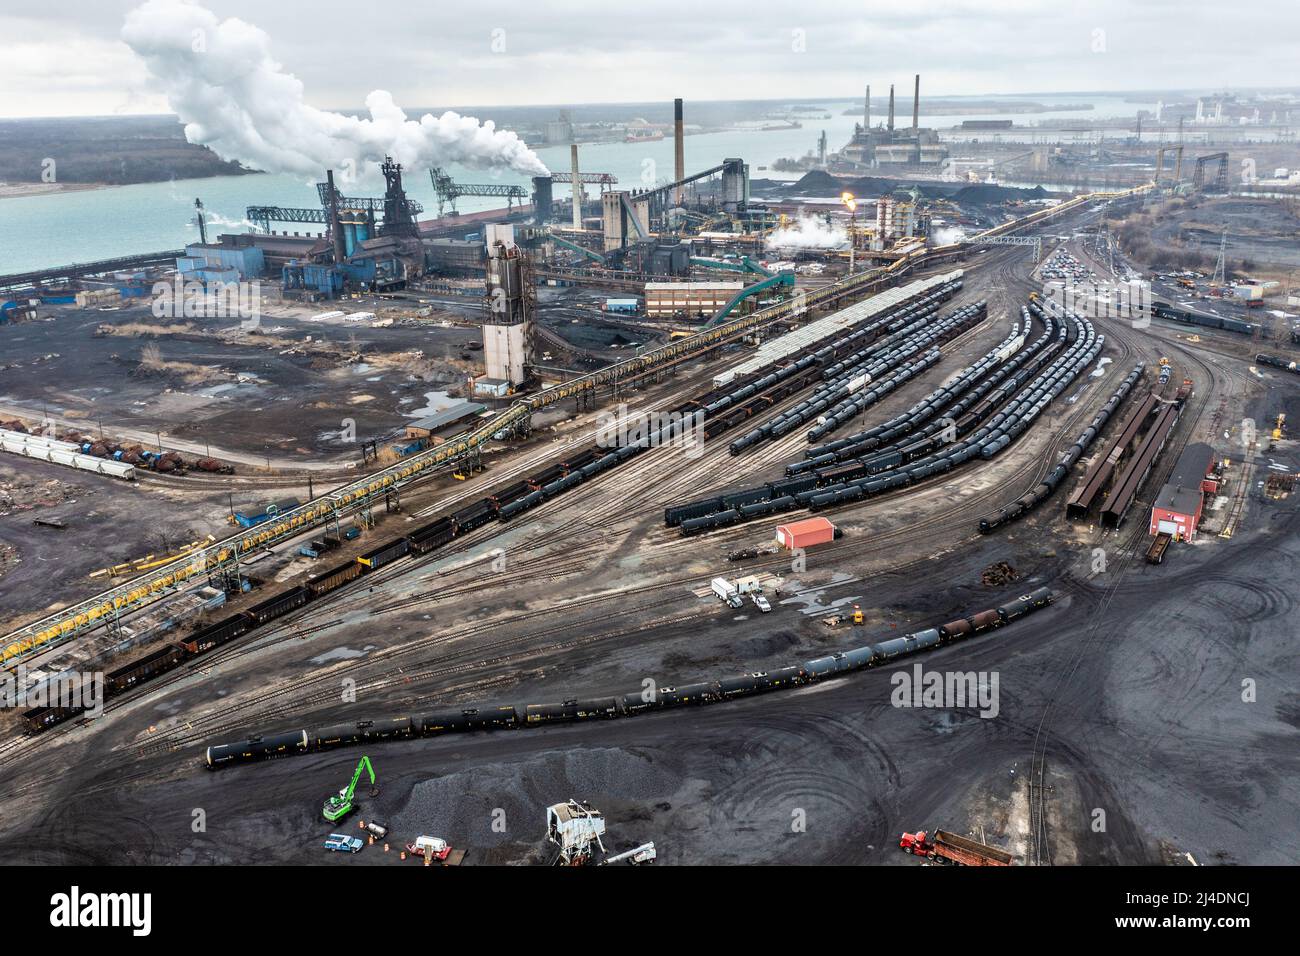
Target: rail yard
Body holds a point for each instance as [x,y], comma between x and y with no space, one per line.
[633,530]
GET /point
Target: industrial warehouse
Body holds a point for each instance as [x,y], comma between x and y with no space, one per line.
[613,484]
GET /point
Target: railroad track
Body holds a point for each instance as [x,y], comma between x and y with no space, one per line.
[1040,838]
[308,692]
[653,476]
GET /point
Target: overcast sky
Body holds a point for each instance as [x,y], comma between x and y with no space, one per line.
[66,58]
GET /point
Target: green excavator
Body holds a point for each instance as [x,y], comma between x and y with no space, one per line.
[340,805]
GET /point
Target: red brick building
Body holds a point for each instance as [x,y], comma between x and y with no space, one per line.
[1177,509]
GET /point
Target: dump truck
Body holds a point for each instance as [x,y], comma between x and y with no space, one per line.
[726,591]
[950,848]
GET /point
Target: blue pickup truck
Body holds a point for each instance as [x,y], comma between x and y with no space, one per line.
[343,844]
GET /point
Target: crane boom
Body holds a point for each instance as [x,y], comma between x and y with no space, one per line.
[340,805]
[352,787]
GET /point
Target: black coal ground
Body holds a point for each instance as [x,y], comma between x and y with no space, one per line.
[1143,669]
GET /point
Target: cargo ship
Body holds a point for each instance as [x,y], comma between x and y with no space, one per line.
[643,134]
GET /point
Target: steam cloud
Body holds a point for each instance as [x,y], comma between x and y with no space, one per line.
[809,232]
[233,97]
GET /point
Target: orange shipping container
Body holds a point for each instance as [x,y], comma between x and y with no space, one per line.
[805,534]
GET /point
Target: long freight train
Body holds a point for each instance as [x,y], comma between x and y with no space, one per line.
[509,717]
[1163,310]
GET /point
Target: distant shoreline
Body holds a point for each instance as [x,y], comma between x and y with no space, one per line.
[8,190]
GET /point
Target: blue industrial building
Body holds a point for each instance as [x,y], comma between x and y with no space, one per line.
[210,262]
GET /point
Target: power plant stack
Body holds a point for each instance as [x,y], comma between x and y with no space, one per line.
[890,125]
[578,191]
[916,104]
[679,153]
[507,330]
[336,224]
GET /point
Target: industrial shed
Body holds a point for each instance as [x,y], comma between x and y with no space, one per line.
[1177,508]
[447,419]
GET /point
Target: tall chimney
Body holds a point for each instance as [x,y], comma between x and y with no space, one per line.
[578,191]
[866,110]
[679,152]
[890,124]
[336,227]
[916,104]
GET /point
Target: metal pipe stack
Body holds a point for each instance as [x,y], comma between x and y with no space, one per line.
[679,153]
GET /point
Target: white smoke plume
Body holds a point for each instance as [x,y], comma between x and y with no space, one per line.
[233,97]
[809,232]
[946,235]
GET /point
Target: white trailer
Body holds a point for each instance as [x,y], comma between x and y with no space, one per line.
[726,591]
[12,438]
[45,450]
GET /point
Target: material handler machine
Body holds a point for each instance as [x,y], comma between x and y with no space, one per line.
[339,805]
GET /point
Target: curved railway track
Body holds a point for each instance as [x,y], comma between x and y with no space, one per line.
[1040,850]
[651,479]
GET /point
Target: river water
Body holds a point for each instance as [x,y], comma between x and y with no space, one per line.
[60,228]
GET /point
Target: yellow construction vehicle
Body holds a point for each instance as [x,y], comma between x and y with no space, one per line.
[1279,427]
[857,615]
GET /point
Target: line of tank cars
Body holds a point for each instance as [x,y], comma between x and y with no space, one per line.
[854,382]
[508,716]
[978,414]
[1274,362]
[722,408]
[1045,488]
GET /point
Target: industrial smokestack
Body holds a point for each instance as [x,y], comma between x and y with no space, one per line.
[916,104]
[577,189]
[866,109]
[679,152]
[336,227]
[890,124]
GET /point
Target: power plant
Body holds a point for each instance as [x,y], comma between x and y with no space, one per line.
[885,147]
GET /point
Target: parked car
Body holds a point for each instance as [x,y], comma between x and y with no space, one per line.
[341,843]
